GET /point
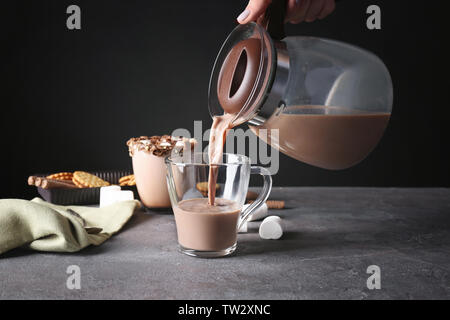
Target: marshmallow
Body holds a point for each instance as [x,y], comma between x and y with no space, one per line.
[108,188]
[192,193]
[113,194]
[123,195]
[259,213]
[271,228]
[104,191]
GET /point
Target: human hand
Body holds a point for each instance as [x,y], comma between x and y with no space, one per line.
[296,11]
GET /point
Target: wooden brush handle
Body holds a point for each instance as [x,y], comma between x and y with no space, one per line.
[274,204]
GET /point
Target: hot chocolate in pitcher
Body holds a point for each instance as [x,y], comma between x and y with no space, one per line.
[329,100]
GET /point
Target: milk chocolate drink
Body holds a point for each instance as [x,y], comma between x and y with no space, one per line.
[217,137]
[209,224]
[330,101]
[150,179]
[327,137]
[201,226]
[149,169]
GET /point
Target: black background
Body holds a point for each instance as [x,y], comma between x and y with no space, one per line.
[71,99]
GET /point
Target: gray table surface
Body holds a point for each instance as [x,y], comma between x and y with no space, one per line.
[331,237]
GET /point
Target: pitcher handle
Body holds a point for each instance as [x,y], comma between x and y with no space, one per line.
[273,19]
[262,197]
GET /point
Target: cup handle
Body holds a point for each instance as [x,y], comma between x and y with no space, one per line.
[262,197]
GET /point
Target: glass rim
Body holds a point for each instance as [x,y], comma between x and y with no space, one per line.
[243,160]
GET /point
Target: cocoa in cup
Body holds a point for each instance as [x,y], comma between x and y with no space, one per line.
[148,154]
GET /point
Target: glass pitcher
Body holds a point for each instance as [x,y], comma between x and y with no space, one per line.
[320,101]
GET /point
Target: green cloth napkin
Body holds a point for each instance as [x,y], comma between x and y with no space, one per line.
[43,226]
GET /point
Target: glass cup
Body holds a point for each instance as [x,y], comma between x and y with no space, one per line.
[211,231]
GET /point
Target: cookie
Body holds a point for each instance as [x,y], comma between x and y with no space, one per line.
[46,183]
[88,180]
[203,187]
[251,195]
[127,180]
[61,176]
[77,184]
[131,182]
[128,183]
[32,180]
[57,184]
